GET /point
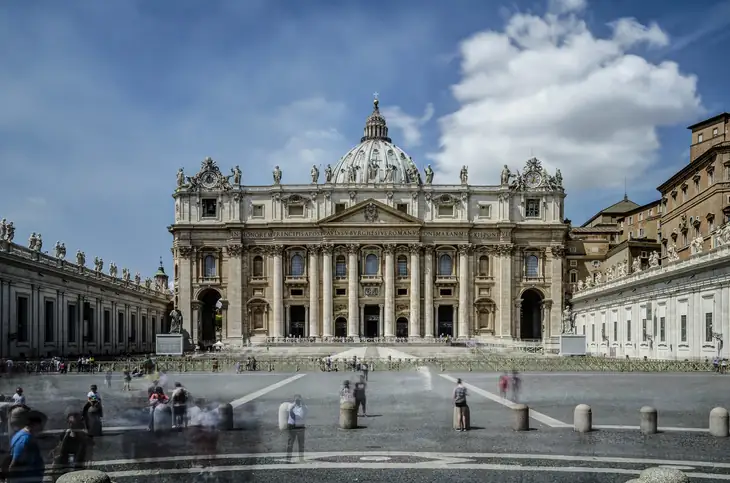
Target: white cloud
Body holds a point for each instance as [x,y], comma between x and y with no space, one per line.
[410,126]
[547,86]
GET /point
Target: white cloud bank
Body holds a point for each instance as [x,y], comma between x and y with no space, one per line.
[546,86]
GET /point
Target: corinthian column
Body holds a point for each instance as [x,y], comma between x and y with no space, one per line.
[428,291]
[389,291]
[313,290]
[464,305]
[353,292]
[278,305]
[415,317]
[327,327]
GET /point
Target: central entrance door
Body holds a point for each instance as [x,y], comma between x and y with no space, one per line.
[297,320]
[445,320]
[372,321]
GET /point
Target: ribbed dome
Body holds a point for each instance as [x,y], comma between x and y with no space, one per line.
[376,159]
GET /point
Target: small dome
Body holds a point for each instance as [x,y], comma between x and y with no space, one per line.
[376,159]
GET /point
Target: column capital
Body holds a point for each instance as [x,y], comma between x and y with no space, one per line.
[389,248]
[557,251]
[465,249]
[275,249]
[326,248]
[415,248]
[234,250]
[353,248]
[428,249]
[196,304]
[505,250]
[314,249]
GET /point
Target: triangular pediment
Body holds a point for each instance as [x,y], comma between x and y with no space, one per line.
[371,212]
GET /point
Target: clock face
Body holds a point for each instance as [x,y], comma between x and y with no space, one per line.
[533,179]
[208,180]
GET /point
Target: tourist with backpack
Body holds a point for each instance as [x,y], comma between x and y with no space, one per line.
[179,399]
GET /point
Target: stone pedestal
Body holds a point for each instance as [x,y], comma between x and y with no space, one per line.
[648,420]
[284,415]
[467,417]
[348,415]
[582,418]
[225,417]
[162,418]
[521,417]
[719,423]
[84,476]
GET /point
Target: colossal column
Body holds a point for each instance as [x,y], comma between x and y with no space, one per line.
[414,329]
[464,305]
[353,291]
[428,291]
[313,290]
[234,316]
[327,328]
[278,308]
[389,291]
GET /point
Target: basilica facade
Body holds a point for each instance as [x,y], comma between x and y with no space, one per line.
[369,248]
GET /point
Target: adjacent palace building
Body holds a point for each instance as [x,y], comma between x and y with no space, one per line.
[51,306]
[370,248]
[654,280]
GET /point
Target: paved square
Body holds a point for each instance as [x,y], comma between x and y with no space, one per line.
[408,431]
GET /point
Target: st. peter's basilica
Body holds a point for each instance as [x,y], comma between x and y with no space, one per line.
[370,248]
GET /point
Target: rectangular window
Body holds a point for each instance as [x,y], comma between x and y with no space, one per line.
[89,321]
[49,319]
[133,327]
[120,328]
[446,210]
[296,210]
[683,328]
[485,211]
[662,329]
[699,138]
[604,335]
[402,292]
[643,330]
[209,207]
[340,207]
[107,330]
[341,291]
[714,131]
[615,330]
[258,211]
[22,318]
[144,328]
[628,330]
[402,207]
[154,328]
[574,263]
[573,277]
[71,323]
[583,329]
[708,327]
[593,332]
[532,209]
[297,292]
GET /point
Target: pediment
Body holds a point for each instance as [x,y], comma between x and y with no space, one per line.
[371,212]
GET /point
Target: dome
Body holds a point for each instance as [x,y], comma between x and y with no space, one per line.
[376,159]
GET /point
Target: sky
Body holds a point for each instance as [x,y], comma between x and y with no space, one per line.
[102,102]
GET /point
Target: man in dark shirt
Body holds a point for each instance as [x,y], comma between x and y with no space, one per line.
[26,462]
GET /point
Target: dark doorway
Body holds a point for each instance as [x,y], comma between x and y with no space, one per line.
[401,327]
[372,321]
[341,327]
[297,320]
[445,314]
[206,332]
[530,317]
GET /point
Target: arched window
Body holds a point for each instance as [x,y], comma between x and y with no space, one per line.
[258,266]
[371,264]
[340,267]
[531,266]
[209,266]
[402,266]
[484,266]
[297,265]
[446,265]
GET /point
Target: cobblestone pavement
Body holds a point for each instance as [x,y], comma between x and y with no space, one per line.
[408,432]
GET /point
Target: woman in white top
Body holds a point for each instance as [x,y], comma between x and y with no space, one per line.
[295,426]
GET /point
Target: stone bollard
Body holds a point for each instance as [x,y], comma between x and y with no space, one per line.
[162,418]
[94,423]
[284,415]
[583,418]
[467,416]
[648,422]
[348,415]
[84,476]
[719,423]
[225,417]
[522,417]
[661,475]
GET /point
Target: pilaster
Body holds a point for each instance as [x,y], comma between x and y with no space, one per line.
[464,311]
[414,321]
[327,322]
[428,291]
[233,327]
[353,291]
[389,302]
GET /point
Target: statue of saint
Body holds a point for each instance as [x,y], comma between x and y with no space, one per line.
[429,174]
[314,172]
[328,174]
[506,175]
[180,177]
[236,175]
[464,175]
[277,175]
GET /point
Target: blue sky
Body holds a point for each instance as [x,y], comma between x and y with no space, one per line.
[102,102]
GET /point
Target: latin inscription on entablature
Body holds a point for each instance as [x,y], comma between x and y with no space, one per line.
[264,234]
[451,234]
[370,233]
[485,235]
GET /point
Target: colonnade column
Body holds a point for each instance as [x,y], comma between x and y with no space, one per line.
[463,332]
[313,291]
[415,316]
[353,291]
[327,329]
[278,303]
[389,315]
[428,291]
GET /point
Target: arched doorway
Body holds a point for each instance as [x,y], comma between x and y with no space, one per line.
[401,327]
[340,327]
[531,315]
[209,309]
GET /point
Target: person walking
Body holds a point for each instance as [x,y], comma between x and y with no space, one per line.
[295,427]
[360,397]
[516,385]
[25,460]
[460,404]
[503,385]
[180,397]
